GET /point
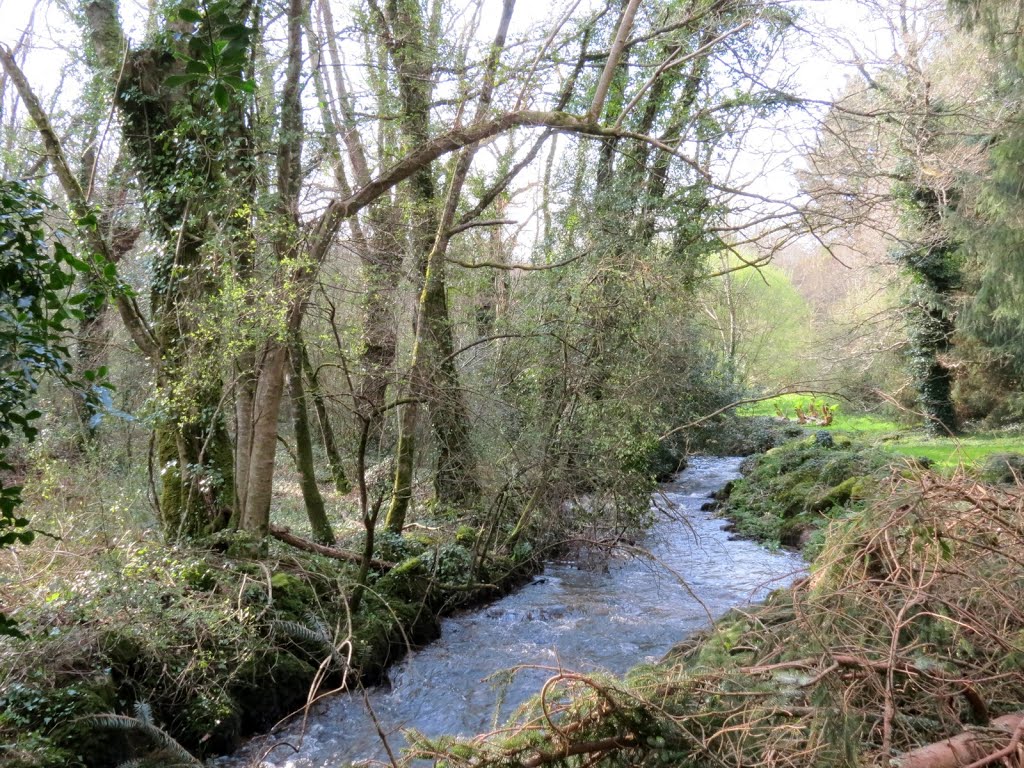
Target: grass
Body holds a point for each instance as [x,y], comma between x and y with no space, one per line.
[946,454]
[844,419]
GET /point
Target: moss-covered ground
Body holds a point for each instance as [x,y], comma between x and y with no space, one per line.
[790,493]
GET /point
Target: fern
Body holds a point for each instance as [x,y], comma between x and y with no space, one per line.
[144,712]
[302,632]
[157,735]
[314,632]
[317,624]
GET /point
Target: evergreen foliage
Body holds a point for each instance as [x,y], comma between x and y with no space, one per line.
[37,302]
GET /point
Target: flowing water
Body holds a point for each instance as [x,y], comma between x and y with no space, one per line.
[609,618]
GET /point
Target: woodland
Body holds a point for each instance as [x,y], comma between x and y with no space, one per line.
[322,319]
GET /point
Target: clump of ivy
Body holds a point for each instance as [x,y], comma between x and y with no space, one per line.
[37,300]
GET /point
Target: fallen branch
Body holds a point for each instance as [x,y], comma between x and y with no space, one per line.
[283,534]
[972,748]
[600,746]
[979,710]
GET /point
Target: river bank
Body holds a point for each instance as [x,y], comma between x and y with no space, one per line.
[133,645]
[154,647]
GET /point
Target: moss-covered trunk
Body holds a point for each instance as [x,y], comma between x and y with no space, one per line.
[157,124]
[338,476]
[305,465]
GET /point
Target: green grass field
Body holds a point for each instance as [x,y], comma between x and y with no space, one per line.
[946,454]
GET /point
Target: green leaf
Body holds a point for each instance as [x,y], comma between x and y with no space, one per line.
[221,96]
[175,81]
[89,220]
[189,15]
[197,67]
[236,30]
[76,263]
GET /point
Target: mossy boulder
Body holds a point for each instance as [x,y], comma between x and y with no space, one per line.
[407,582]
[291,596]
[210,722]
[268,686]
[841,494]
[790,491]
[1003,468]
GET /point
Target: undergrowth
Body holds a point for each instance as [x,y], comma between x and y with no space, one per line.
[216,645]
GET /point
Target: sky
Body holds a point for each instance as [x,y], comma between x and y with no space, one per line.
[771,152]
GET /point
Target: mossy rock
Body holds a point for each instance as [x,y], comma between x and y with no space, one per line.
[839,495]
[466,535]
[210,723]
[384,632]
[787,493]
[407,582]
[797,498]
[504,572]
[269,686]
[1004,468]
[292,597]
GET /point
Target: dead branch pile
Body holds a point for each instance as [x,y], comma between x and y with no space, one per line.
[909,632]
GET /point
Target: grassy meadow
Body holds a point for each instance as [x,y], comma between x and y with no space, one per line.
[968,450]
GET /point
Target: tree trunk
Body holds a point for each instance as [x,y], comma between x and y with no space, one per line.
[255,517]
[405,454]
[305,465]
[338,477]
[193,444]
[270,373]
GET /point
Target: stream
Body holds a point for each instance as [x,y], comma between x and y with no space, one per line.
[609,618]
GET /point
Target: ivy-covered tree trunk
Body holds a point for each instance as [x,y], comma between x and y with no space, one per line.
[194,450]
[930,325]
[934,269]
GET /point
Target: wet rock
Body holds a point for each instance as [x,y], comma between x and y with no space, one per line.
[723,493]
